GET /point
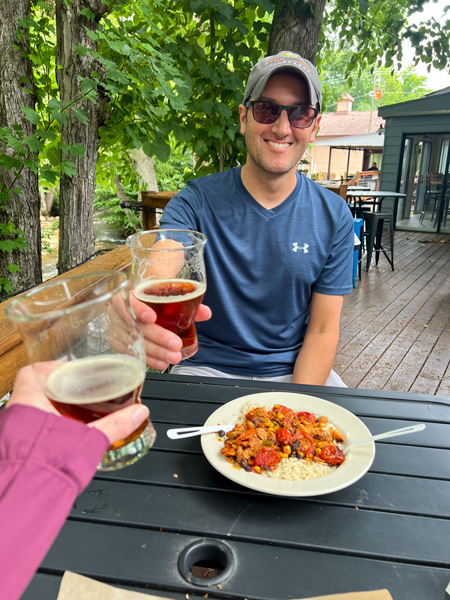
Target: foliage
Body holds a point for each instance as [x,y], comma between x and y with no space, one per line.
[47,235]
[216,44]
[374,29]
[174,173]
[398,87]
[108,206]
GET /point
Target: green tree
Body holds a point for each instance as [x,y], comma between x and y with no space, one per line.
[395,87]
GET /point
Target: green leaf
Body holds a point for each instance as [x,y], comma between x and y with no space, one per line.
[34,144]
[7,246]
[200,147]
[13,268]
[87,13]
[80,114]
[53,155]
[50,176]
[60,117]
[77,150]
[30,115]
[7,285]
[81,50]
[9,162]
[69,168]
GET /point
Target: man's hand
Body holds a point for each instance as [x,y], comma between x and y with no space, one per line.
[162,346]
[115,426]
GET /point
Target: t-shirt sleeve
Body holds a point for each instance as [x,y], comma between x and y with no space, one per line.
[336,277]
[181,210]
[45,462]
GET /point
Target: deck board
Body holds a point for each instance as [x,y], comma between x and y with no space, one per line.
[395,327]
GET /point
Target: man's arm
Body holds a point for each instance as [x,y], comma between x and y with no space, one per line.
[315,359]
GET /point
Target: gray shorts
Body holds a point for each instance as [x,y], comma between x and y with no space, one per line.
[333,378]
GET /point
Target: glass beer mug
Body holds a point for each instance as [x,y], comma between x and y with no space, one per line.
[85,346]
[168,274]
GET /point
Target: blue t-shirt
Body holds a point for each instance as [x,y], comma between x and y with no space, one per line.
[261,267]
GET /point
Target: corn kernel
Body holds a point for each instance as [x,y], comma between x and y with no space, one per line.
[257,469]
[287,449]
[283,455]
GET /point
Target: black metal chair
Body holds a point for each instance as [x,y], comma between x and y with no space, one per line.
[374,222]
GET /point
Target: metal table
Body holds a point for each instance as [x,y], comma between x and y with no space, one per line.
[391,529]
[375,197]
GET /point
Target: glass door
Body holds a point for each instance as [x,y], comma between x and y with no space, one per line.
[425,181]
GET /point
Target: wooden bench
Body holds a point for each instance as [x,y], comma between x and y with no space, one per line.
[12,351]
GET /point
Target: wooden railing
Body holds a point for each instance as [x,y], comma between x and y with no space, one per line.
[369,178]
[12,351]
[150,202]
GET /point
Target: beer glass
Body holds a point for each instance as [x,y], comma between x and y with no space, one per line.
[85,346]
[168,274]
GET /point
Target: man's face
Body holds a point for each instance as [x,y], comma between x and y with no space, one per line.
[277,148]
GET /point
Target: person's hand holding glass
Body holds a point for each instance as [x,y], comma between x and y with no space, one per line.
[168,275]
[87,352]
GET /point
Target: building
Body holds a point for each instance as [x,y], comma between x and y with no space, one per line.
[416,160]
[335,162]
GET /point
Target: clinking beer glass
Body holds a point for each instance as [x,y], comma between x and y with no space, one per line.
[86,348]
[168,274]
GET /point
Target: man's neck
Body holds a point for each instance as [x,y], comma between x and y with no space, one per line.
[268,189]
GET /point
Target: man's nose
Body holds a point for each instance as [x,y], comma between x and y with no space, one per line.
[282,125]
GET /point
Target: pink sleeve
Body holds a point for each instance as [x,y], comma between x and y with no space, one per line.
[45,462]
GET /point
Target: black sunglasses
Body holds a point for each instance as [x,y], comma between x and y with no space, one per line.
[267,112]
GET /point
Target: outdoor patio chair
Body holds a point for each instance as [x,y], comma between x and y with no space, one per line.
[358,228]
[374,222]
[432,196]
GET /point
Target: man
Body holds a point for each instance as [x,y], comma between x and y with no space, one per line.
[373,167]
[279,250]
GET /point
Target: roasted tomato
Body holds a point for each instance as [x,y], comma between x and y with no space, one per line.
[284,436]
[287,413]
[332,455]
[266,459]
[307,416]
[305,442]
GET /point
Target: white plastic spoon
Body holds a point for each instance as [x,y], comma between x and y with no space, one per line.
[184,432]
[386,434]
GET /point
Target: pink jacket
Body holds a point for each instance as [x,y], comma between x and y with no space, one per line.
[45,462]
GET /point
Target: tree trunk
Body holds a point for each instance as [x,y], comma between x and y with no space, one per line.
[22,209]
[76,223]
[145,168]
[47,200]
[296,27]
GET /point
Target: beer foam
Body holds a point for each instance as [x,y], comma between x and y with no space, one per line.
[200,289]
[97,378]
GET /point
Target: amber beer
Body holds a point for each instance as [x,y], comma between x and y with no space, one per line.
[93,387]
[175,302]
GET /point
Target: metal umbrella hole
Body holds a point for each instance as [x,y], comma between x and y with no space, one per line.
[206,562]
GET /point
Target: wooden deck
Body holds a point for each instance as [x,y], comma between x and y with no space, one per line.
[395,327]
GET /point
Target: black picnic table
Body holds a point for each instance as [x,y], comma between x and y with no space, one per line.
[141,527]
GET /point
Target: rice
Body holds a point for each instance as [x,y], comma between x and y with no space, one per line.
[292,468]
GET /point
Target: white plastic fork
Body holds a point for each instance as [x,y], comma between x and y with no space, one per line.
[184,432]
[386,434]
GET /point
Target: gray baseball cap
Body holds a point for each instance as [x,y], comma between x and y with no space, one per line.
[284,61]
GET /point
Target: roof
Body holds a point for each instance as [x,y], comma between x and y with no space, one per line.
[355,142]
[348,123]
[436,103]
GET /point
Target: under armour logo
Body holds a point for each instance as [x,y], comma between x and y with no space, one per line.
[296,247]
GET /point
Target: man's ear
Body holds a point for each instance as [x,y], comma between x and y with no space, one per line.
[312,137]
[242,117]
